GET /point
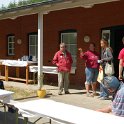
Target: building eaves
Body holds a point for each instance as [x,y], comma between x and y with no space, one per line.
[33,5]
[48,6]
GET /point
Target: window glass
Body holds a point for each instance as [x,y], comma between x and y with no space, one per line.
[33,48]
[11,45]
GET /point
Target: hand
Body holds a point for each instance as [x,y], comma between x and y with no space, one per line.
[57,64]
[80,49]
[120,78]
[99,61]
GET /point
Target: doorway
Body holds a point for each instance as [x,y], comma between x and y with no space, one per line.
[116,35]
[118,45]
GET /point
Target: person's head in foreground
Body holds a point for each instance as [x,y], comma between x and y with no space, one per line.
[117,89]
[111,83]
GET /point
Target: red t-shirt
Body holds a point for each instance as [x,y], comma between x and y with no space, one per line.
[121,56]
[91,59]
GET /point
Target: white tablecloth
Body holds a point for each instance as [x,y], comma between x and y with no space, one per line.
[48,69]
[68,114]
[5,96]
[16,63]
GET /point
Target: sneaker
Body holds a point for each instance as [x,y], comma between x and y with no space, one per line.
[67,92]
[87,94]
[60,93]
[99,97]
[94,93]
[104,98]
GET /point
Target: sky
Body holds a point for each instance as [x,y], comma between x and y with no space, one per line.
[6,2]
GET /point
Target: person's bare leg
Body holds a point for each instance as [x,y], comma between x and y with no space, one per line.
[87,86]
[94,88]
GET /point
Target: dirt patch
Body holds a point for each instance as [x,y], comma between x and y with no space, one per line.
[20,93]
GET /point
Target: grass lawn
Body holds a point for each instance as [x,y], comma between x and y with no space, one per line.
[21,93]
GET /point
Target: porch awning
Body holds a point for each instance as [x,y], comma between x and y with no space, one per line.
[48,6]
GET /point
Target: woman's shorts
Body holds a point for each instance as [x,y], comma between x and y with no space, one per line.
[91,75]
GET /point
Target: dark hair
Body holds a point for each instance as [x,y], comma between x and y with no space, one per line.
[105,38]
[93,44]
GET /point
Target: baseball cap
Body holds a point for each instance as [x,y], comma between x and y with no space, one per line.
[111,82]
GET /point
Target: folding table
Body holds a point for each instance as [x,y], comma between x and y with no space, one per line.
[5,97]
[68,114]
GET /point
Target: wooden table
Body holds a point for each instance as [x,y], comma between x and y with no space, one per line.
[17,64]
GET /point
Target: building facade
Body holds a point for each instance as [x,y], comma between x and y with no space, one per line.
[70,25]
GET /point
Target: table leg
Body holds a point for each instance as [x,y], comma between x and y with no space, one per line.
[16,116]
[5,117]
[25,120]
[50,121]
[27,72]
[17,72]
[6,73]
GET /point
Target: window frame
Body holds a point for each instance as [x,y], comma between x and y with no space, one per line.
[11,45]
[33,45]
[69,44]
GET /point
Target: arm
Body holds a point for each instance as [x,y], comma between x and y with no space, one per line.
[107,109]
[55,59]
[71,60]
[82,56]
[120,69]
[109,55]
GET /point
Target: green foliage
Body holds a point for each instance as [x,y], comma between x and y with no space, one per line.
[21,3]
[12,5]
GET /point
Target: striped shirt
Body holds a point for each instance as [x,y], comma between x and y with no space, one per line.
[118,102]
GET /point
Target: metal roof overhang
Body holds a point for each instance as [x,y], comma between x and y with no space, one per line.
[46,7]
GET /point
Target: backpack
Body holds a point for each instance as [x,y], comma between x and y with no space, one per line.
[1,85]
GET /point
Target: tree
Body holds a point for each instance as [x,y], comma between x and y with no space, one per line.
[21,3]
[12,4]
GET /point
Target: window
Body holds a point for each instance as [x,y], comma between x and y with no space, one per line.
[33,48]
[106,33]
[11,45]
[70,39]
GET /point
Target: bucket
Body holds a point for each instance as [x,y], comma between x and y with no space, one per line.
[41,93]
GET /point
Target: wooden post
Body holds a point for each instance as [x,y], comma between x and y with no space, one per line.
[17,72]
[0,67]
[6,73]
[27,72]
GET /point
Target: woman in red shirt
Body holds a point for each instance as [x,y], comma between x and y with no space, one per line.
[91,58]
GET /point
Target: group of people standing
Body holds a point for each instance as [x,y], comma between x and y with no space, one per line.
[110,84]
[63,61]
[93,60]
